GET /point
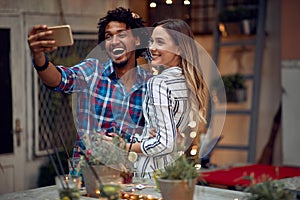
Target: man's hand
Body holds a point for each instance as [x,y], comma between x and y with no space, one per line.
[115,139]
[39,44]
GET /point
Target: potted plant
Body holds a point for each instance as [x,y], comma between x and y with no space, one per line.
[268,190]
[237,20]
[177,181]
[235,89]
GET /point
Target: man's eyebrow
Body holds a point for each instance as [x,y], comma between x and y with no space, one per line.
[118,31]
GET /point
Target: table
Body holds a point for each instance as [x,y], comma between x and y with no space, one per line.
[201,192]
[50,193]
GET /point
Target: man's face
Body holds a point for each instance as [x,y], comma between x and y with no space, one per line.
[120,43]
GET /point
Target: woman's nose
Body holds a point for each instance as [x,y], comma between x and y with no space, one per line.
[152,47]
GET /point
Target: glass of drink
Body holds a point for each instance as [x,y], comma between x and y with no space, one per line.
[111,187]
[68,186]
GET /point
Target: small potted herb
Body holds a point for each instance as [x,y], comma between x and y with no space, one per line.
[235,89]
[177,181]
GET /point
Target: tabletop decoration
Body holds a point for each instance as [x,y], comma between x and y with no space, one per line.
[133,196]
[108,187]
[106,159]
[68,186]
[178,180]
[112,154]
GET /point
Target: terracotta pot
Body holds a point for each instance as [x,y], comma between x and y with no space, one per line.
[177,189]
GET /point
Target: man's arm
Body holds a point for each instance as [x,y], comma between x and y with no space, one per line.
[38,45]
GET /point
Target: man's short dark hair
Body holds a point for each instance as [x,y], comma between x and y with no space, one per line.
[131,20]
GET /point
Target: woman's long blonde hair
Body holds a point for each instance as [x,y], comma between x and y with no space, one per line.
[182,35]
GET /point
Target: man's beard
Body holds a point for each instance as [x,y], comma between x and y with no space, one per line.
[120,64]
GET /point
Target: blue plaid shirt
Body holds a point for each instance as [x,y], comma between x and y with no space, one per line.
[103,102]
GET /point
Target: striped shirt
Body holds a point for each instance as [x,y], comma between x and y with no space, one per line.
[103,102]
[166,108]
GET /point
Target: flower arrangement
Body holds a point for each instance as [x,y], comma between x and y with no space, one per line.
[101,152]
[109,154]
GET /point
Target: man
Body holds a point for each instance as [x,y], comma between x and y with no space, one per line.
[104,103]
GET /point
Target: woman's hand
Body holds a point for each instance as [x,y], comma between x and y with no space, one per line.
[152,132]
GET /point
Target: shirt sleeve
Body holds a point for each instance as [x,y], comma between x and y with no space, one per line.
[76,78]
[159,108]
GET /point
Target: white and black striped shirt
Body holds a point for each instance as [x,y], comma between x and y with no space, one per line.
[167,109]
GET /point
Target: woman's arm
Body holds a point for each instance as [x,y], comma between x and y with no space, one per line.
[160,113]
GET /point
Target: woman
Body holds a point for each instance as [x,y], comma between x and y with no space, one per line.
[174,98]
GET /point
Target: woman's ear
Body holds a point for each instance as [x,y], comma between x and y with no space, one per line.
[178,51]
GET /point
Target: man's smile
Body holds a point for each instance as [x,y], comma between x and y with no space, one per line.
[118,51]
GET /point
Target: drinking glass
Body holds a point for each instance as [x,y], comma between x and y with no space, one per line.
[68,186]
[74,166]
[111,187]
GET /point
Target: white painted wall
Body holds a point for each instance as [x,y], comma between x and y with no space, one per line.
[291,112]
[290,55]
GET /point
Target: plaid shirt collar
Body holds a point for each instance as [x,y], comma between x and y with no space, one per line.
[109,71]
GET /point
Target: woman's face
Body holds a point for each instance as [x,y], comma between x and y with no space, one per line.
[163,49]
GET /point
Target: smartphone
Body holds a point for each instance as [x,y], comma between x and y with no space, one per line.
[62,35]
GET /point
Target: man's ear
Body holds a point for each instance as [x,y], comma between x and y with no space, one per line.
[137,41]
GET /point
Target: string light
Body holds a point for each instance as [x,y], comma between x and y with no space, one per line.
[186,2]
[169,1]
[152,5]
[193,152]
[198,166]
[193,134]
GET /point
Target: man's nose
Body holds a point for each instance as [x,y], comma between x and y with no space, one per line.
[115,39]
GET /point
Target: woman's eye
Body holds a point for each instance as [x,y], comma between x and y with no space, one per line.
[159,42]
[150,42]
